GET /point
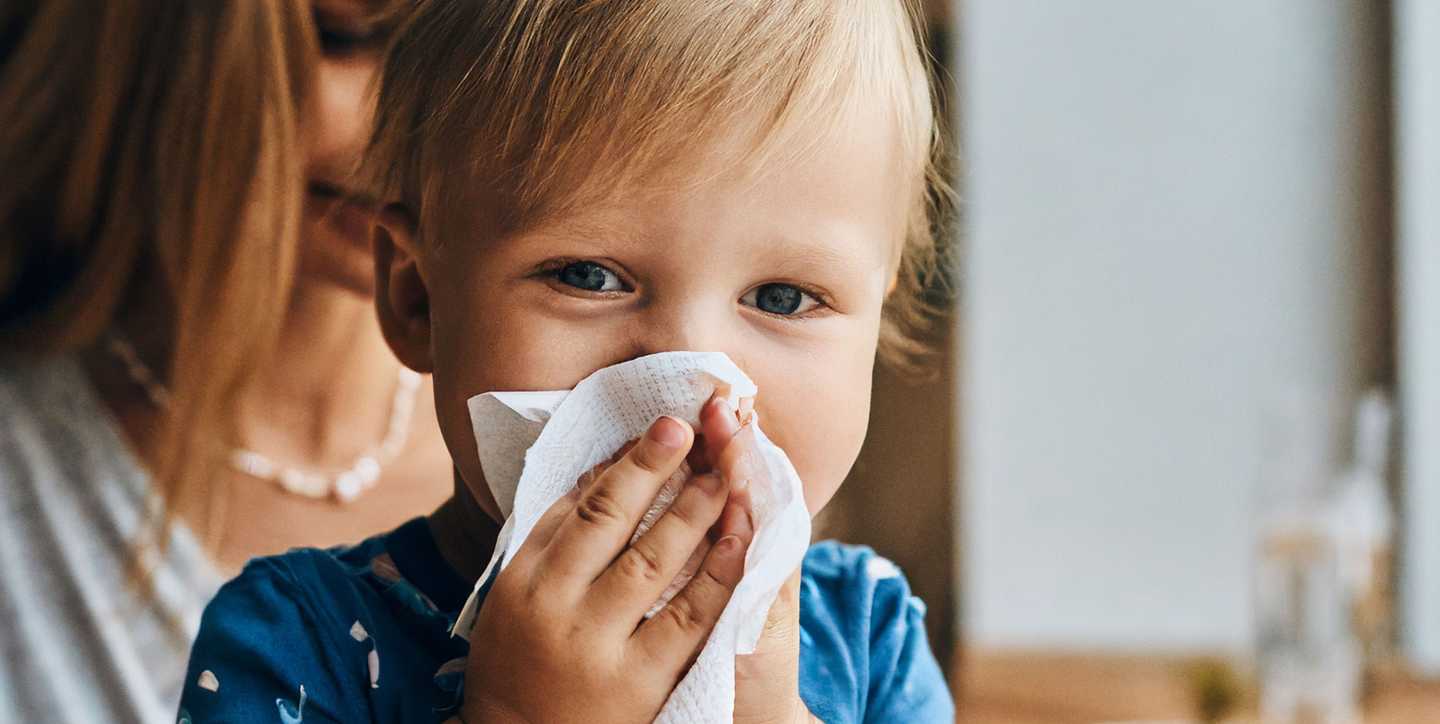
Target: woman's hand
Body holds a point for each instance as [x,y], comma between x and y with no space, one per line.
[562,635]
[767,682]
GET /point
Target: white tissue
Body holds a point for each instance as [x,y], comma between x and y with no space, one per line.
[534,446]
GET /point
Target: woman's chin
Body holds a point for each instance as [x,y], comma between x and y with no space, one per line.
[328,261]
[335,242]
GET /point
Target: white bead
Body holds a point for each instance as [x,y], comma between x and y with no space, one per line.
[296,481]
[347,486]
[367,468]
[252,463]
[292,480]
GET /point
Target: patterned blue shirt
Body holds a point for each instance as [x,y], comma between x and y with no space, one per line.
[362,634]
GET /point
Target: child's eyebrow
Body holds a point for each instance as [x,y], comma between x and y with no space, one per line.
[797,257]
[808,254]
[585,227]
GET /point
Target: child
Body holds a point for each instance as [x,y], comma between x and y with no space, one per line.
[578,183]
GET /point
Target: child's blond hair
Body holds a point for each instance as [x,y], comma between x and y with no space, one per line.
[544,104]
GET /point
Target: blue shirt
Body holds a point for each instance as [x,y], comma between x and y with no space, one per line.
[362,634]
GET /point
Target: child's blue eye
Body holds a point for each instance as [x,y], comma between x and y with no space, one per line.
[589,276]
[781,299]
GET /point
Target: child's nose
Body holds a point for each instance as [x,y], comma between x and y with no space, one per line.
[690,328]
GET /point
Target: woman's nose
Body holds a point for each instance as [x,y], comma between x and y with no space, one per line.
[343,109]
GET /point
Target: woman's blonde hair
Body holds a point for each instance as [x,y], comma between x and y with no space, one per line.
[542,104]
[151,149]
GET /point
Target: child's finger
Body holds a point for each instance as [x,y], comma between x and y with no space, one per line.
[672,638]
[718,423]
[739,460]
[642,572]
[608,510]
[544,530]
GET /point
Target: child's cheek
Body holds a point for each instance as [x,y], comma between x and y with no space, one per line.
[819,428]
[823,474]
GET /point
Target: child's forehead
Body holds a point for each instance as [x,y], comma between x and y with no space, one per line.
[837,207]
[733,172]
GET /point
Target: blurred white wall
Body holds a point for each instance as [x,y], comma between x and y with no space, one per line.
[1171,209]
[1417,142]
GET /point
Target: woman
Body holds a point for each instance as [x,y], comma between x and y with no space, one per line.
[185,331]
[346,434]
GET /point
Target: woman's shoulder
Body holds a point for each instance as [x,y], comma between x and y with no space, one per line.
[36,385]
[54,428]
[67,479]
[72,498]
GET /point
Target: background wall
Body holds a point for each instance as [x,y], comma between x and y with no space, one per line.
[1172,211]
[1417,141]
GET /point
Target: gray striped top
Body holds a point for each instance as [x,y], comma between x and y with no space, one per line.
[78,641]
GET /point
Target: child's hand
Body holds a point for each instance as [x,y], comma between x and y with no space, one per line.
[767,683]
[562,635]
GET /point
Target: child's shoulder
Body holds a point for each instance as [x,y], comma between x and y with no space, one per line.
[340,630]
[363,582]
[314,594]
[314,575]
[864,653]
[836,572]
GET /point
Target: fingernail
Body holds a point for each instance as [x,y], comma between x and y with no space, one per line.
[728,545]
[668,431]
[709,482]
[747,526]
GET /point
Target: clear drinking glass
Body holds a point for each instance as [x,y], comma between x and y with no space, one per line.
[1307,656]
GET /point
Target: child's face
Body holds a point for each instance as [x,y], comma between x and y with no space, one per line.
[785,272]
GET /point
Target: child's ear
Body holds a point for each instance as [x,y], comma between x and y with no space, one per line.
[402,299]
